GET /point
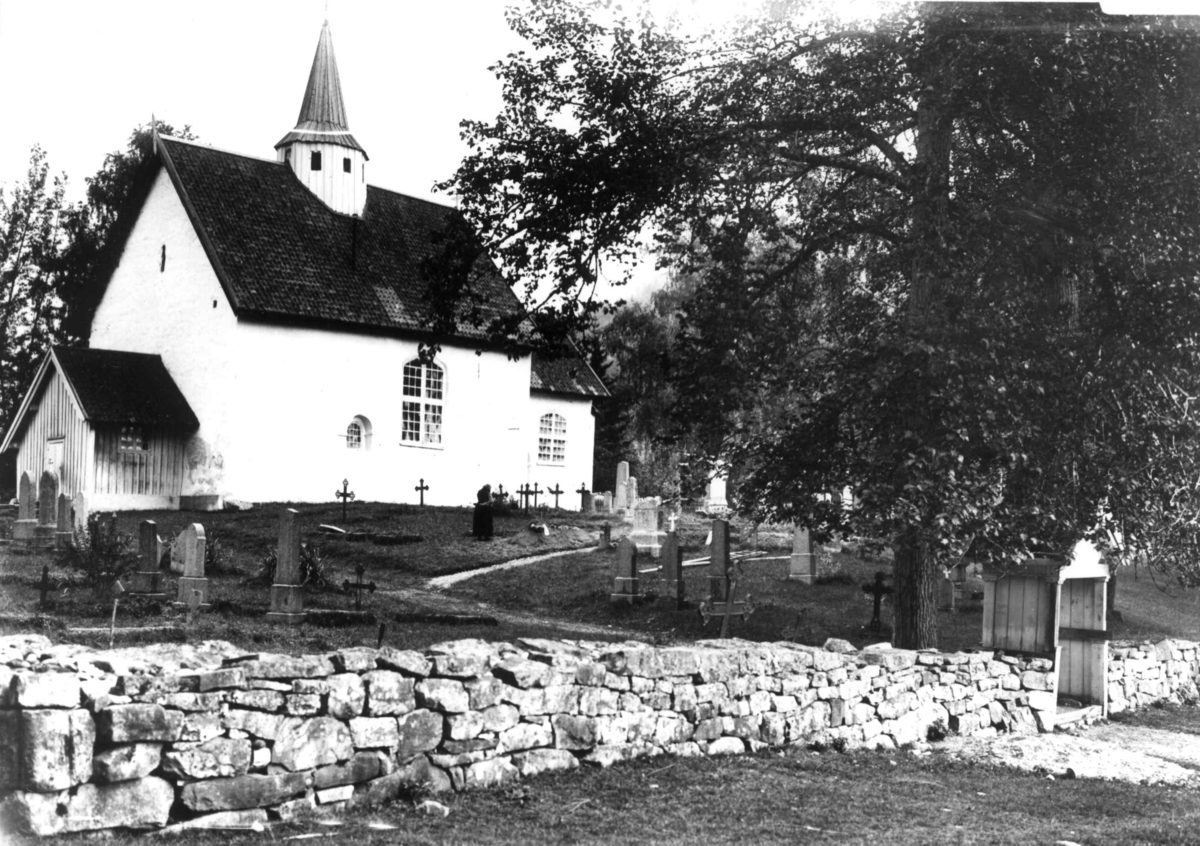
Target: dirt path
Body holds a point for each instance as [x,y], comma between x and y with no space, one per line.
[1108,751]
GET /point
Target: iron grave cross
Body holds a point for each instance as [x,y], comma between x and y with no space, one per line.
[557,491]
[421,488]
[344,494]
[359,586]
[583,492]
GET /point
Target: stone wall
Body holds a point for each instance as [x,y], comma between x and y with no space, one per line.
[1141,674]
[92,740]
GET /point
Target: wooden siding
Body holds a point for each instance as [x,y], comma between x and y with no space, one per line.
[1082,670]
[1018,614]
[56,416]
[155,471]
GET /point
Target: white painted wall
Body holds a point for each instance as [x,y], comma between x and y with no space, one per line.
[181,313]
[581,443]
[274,401]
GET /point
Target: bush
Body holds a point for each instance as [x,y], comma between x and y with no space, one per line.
[937,731]
[312,568]
[101,552]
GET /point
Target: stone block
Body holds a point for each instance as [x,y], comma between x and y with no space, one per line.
[522,673]
[302,704]
[493,773]
[347,695]
[45,690]
[329,795]
[260,700]
[727,746]
[10,750]
[32,813]
[572,732]
[56,748]
[247,791]
[137,723]
[404,661]
[389,693]
[126,762]
[255,723]
[190,701]
[463,659]
[356,659]
[200,726]
[527,736]
[220,757]
[445,695]
[374,732]
[305,743]
[362,767]
[420,731]
[143,803]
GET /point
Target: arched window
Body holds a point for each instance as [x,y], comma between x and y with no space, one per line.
[424,387]
[552,439]
[358,433]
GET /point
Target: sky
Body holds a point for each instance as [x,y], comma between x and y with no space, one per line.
[81,74]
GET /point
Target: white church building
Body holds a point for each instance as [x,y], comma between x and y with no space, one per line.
[258,337]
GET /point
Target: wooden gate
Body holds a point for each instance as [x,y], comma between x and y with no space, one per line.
[1083,641]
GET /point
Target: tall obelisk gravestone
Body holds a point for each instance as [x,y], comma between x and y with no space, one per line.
[287,594]
[803,564]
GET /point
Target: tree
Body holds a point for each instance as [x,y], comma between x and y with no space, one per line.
[1010,192]
[30,308]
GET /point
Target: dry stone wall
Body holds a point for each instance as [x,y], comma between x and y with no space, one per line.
[90,740]
[1141,674]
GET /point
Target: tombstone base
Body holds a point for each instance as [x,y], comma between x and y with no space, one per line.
[626,590]
[803,578]
[147,584]
[671,589]
[64,539]
[24,529]
[187,584]
[803,568]
[287,602]
[648,542]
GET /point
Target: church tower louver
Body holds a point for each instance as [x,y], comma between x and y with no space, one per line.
[322,153]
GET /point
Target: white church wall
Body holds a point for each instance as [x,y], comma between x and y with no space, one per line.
[164,298]
[580,446]
[300,388]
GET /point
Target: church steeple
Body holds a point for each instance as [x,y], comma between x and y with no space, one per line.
[321,151]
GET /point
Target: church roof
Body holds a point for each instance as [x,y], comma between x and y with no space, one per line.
[282,255]
[323,112]
[124,387]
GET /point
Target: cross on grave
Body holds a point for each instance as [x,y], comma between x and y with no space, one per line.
[724,571]
[583,492]
[45,586]
[346,494]
[557,491]
[877,590]
[524,493]
[359,586]
[421,488]
[500,490]
[536,490]
[729,607]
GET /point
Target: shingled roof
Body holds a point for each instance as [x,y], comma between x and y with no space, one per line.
[566,373]
[124,387]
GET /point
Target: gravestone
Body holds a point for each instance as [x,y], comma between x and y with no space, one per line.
[716,502]
[177,551]
[287,594]
[608,502]
[671,558]
[647,532]
[803,563]
[945,593]
[622,499]
[631,490]
[48,499]
[79,509]
[25,526]
[147,579]
[724,574]
[64,534]
[625,583]
[482,525]
[605,536]
[193,581]
[589,503]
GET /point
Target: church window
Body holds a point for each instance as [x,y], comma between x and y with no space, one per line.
[421,412]
[133,439]
[358,433]
[346,168]
[315,162]
[552,439]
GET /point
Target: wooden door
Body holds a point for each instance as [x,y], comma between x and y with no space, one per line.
[1083,668]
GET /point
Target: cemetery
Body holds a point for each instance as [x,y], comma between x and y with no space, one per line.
[287,667]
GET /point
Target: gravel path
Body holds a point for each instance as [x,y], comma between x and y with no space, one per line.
[442,582]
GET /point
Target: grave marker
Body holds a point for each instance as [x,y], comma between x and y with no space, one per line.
[557,491]
[64,535]
[25,499]
[631,491]
[625,583]
[608,502]
[671,558]
[45,585]
[647,520]
[421,488]
[147,579]
[358,586]
[723,575]
[877,590]
[716,501]
[802,566]
[622,497]
[536,490]
[48,499]
[584,497]
[482,524]
[287,594]
[79,511]
[346,494]
[524,492]
[605,536]
[193,580]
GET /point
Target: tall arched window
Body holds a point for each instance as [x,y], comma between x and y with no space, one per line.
[552,439]
[424,387]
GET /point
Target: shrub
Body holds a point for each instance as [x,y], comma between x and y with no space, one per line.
[937,731]
[312,567]
[101,552]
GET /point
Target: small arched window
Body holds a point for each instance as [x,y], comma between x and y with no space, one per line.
[424,387]
[552,439]
[358,433]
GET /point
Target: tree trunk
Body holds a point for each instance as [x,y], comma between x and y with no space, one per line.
[915,574]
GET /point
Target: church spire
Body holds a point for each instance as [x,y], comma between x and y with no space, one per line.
[321,151]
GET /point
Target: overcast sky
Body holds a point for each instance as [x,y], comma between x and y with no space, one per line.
[80,74]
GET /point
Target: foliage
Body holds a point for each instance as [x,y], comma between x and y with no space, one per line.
[102,552]
[31,311]
[313,574]
[939,256]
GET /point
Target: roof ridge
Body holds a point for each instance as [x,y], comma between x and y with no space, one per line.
[204,145]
